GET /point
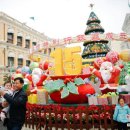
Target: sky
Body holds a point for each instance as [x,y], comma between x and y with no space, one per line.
[65,18]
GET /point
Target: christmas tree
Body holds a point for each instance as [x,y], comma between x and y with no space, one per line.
[96,48]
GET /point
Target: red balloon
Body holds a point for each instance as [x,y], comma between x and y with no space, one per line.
[18,70]
[44,65]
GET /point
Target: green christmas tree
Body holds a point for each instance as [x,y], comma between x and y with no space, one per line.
[95,48]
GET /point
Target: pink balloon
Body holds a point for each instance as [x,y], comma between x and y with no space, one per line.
[112,56]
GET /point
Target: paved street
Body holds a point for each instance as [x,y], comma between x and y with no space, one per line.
[24,128]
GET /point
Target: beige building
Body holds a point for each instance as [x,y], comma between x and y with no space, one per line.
[16,39]
[126,24]
[126,29]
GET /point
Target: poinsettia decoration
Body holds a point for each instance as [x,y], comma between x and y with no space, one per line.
[67,86]
[69,90]
[81,114]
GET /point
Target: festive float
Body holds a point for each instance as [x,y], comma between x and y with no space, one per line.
[70,77]
[91,81]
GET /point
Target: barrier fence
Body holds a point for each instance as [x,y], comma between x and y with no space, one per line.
[70,117]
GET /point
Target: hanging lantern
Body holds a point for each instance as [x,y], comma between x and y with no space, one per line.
[125,55]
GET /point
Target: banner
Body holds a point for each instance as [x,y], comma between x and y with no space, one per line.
[79,38]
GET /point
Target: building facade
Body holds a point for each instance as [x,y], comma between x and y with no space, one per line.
[126,24]
[16,39]
[126,29]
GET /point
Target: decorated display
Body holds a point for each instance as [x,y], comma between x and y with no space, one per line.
[97,47]
[108,75]
[69,89]
[68,79]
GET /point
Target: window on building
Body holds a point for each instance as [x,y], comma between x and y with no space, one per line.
[10,37]
[27,43]
[27,62]
[34,43]
[10,61]
[19,41]
[20,62]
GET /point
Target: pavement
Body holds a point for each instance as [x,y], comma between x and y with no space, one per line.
[24,128]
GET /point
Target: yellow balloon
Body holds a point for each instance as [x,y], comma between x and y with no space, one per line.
[125,55]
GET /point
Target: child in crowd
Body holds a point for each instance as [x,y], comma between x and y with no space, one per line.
[121,113]
[8,88]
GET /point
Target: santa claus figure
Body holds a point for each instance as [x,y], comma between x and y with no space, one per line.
[108,74]
[37,78]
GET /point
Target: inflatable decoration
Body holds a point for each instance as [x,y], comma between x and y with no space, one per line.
[67,85]
[38,77]
[69,89]
[25,70]
[127,79]
[108,75]
[34,65]
[112,57]
[44,65]
[18,70]
[26,84]
[97,62]
[125,55]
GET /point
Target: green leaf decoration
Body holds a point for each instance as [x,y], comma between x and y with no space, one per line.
[72,88]
[58,84]
[48,86]
[55,85]
[64,92]
[79,81]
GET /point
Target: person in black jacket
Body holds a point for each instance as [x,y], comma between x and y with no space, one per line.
[17,105]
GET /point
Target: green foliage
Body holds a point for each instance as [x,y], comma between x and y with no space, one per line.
[55,85]
[79,81]
[72,88]
[123,74]
[64,92]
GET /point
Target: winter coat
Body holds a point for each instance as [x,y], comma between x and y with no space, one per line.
[17,109]
[121,113]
